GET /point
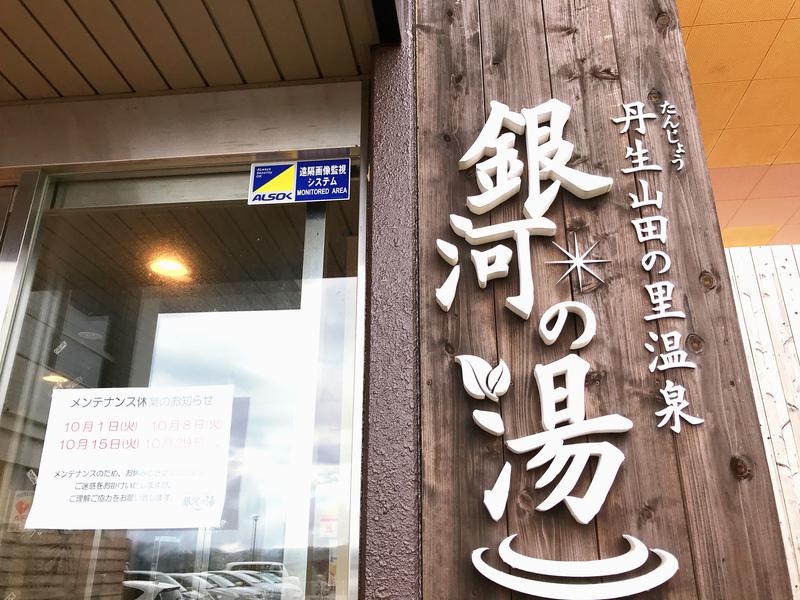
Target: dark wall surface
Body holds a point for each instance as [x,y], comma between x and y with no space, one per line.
[390,555]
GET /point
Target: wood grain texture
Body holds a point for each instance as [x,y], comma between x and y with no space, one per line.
[740,555]
[19,72]
[325,28]
[39,49]
[764,281]
[284,34]
[119,43]
[68,32]
[459,460]
[202,40]
[162,44]
[239,28]
[705,494]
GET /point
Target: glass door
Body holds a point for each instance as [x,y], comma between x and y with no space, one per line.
[179,394]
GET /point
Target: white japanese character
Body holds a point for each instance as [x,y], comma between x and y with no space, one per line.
[521,231]
[667,108]
[660,294]
[649,261]
[499,177]
[639,159]
[651,228]
[673,356]
[548,153]
[499,117]
[446,293]
[645,199]
[634,112]
[674,397]
[563,424]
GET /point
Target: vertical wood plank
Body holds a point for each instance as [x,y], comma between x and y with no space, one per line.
[780,331]
[284,34]
[154,32]
[789,280]
[73,39]
[201,38]
[111,32]
[36,45]
[645,502]
[516,73]
[239,28]
[732,521]
[459,460]
[324,24]
[17,70]
[760,398]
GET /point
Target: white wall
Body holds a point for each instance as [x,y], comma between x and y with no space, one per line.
[766,285]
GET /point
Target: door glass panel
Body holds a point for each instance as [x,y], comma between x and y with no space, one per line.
[134,287]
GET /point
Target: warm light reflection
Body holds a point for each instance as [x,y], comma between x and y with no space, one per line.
[53,378]
[169,266]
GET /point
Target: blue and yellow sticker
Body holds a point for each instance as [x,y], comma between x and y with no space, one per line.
[300,181]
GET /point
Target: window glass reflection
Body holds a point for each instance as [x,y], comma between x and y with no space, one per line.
[214,293]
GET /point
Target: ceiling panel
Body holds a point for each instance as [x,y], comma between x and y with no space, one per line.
[324,24]
[749,146]
[769,102]
[361,25]
[788,234]
[68,32]
[242,34]
[146,19]
[194,26]
[710,139]
[778,181]
[736,183]
[729,52]
[783,59]
[744,58]
[116,39]
[728,11]
[20,72]
[790,153]
[284,32]
[687,11]
[22,29]
[95,47]
[765,211]
[7,91]
[726,209]
[717,101]
[755,235]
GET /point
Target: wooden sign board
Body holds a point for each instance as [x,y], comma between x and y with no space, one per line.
[703,494]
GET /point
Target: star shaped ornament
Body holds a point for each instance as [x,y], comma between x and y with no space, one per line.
[578,262]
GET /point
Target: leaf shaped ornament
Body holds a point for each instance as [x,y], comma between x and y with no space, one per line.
[498,380]
[474,371]
[480,380]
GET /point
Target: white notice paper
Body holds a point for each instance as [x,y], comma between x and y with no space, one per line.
[134,458]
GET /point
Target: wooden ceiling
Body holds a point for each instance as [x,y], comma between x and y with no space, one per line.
[70,48]
[744,60]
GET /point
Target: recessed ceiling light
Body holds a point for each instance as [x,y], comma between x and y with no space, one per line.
[169,266]
[92,336]
[55,378]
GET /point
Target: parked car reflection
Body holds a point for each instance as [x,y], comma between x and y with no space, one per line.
[158,577]
[209,589]
[272,590]
[288,590]
[239,590]
[150,590]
